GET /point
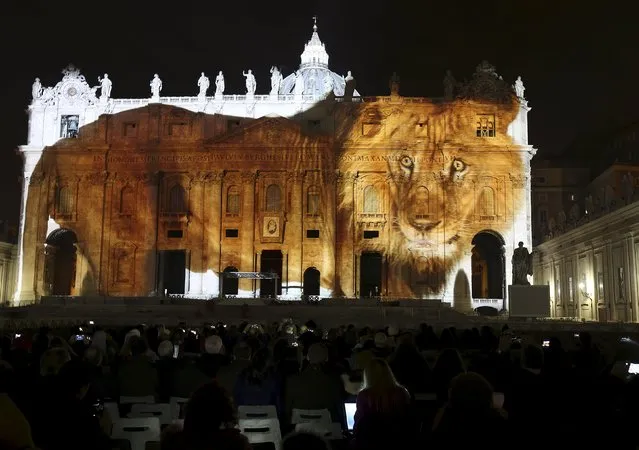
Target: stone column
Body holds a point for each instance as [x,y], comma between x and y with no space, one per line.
[148,190]
[329,267]
[212,219]
[345,275]
[195,233]
[631,278]
[294,231]
[247,257]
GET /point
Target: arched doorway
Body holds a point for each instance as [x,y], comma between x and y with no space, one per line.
[489,265]
[230,286]
[370,274]
[311,281]
[60,264]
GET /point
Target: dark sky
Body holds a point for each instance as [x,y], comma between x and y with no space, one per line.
[579,63]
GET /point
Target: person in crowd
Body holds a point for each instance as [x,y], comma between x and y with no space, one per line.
[469,417]
[137,377]
[382,417]
[15,430]
[315,387]
[210,421]
[449,364]
[227,374]
[258,384]
[409,367]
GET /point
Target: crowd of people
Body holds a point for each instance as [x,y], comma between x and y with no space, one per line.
[412,388]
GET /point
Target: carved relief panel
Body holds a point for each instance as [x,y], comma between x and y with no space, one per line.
[123,265]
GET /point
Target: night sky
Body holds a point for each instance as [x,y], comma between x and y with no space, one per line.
[579,63]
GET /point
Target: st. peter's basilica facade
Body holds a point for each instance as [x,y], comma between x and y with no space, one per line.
[337,194]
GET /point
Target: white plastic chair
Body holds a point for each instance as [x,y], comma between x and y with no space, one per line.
[160,410]
[176,406]
[128,400]
[331,431]
[137,431]
[257,412]
[311,415]
[260,431]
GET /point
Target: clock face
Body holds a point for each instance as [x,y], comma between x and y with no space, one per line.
[72,91]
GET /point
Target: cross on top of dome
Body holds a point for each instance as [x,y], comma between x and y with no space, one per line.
[314,54]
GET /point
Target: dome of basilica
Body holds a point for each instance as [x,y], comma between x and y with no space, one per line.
[316,78]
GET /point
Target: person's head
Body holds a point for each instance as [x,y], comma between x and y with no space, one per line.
[165,349]
[209,409]
[93,356]
[449,360]
[317,354]
[533,357]
[138,345]
[213,345]
[75,377]
[242,351]
[470,392]
[305,440]
[378,375]
[52,361]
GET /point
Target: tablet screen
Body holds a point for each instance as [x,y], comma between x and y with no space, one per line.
[350,409]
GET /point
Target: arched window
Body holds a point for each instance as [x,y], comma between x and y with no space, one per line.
[127,200]
[313,201]
[177,199]
[64,201]
[487,202]
[422,202]
[371,200]
[273,198]
[233,201]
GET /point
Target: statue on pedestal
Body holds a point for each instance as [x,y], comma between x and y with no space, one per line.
[219,83]
[519,88]
[36,89]
[522,266]
[449,85]
[105,86]
[276,80]
[156,86]
[349,89]
[203,83]
[251,84]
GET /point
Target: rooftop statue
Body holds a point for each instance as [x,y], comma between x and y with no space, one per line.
[156,86]
[251,84]
[105,86]
[519,88]
[203,83]
[276,80]
[36,89]
[219,83]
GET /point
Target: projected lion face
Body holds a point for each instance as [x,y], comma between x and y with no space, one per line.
[442,193]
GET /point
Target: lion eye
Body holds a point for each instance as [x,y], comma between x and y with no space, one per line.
[458,165]
[406,162]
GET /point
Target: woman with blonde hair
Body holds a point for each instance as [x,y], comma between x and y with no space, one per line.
[382,417]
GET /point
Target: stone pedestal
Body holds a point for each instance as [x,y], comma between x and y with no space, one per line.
[529,301]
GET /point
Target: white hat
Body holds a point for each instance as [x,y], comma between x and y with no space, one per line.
[213,345]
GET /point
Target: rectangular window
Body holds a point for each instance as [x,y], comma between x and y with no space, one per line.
[232,124]
[371,234]
[174,234]
[69,126]
[485,125]
[622,284]
[130,129]
[312,234]
[231,232]
[233,202]
[179,129]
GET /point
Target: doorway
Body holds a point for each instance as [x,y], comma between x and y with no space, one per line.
[488,265]
[230,286]
[172,271]
[271,261]
[61,261]
[370,274]
[311,281]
